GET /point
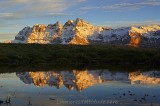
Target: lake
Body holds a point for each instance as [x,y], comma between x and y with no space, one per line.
[80,87]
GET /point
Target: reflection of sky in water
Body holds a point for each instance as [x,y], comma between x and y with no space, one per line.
[106,86]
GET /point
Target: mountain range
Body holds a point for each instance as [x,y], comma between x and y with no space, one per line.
[80,32]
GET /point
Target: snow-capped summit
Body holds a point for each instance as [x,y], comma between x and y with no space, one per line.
[80,32]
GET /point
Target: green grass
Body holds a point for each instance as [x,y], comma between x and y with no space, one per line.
[32,54]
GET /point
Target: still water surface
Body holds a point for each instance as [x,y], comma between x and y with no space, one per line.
[80,87]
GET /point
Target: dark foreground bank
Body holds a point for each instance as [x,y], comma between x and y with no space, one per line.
[72,54]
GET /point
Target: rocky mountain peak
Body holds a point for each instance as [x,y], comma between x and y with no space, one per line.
[69,23]
[58,24]
[55,26]
[80,32]
[79,20]
[38,28]
[81,23]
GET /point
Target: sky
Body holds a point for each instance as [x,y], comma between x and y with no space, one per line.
[16,14]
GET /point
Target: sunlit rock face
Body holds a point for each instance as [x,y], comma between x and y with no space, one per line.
[77,32]
[80,32]
[145,35]
[78,40]
[37,34]
[72,32]
[144,78]
[135,38]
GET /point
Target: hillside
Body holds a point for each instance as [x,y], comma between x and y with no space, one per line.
[75,54]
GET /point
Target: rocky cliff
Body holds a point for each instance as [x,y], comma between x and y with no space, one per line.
[80,32]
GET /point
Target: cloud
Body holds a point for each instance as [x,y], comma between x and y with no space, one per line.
[16,14]
[4,15]
[19,9]
[116,24]
[127,5]
[59,14]
[6,36]
[82,0]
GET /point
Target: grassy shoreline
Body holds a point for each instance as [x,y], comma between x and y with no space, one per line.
[26,54]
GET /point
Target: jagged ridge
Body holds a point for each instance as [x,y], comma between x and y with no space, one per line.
[80,32]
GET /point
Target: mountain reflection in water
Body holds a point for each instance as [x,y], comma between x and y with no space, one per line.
[82,79]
